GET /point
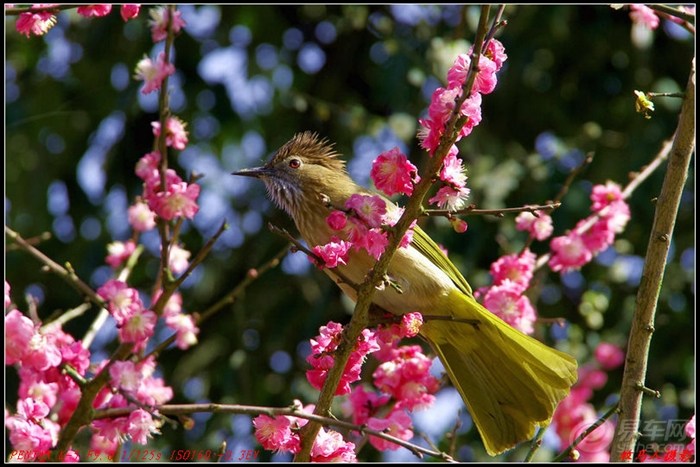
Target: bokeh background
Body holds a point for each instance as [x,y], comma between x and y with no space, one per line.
[248,78]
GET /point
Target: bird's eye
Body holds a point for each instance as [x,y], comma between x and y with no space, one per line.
[295,163]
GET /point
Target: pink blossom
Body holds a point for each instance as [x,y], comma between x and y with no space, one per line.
[95,10]
[453,171]
[643,15]
[486,80]
[333,253]
[130,11]
[75,355]
[141,426]
[329,446]
[159,23]
[407,378]
[598,237]
[411,324]
[30,436]
[392,217]
[8,299]
[31,409]
[71,456]
[361,405]
[41,352]
[173,306]
[37,389]
[569,252]
[393,173]
[441,106]
[590,378]
[175,133]
[397,424]
[140,216]
[617,215]
[374,242]
[539,227]
[609,355]
[153,74]
[450,198]
[337,220]
[125,375]
[275,433]
[37,23]
[519,268]
[496,52]
[506,301]
[178,259]
[178,200]
[322,361]
[111,428]
[369,208]
[153,391]
[138,328]
[122,301]
[119,252]
[19,330]
[572,417]
[604,195]
[457,74]
[185,328]
[147,167]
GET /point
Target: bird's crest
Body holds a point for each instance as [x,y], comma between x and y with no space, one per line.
[313,149]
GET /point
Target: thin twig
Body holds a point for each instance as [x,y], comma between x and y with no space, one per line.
[566,453]
[186,409]
[68,274]
[637,179]
[471,210]
[535,445]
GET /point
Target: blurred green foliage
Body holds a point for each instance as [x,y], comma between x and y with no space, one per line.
[242,87]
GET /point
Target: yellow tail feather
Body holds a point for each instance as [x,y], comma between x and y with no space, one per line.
[510,382]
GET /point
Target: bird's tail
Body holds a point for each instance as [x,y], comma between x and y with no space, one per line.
[510,382]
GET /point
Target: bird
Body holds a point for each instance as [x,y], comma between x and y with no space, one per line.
[510,382]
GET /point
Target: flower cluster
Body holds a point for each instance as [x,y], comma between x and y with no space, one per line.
[135,322]
[575,414]
[176,198]
[402,380]
[393,173]
[505,297]
[322,359]
[282,434]
[453,194]
[594,233]
[643,15]
[51,363]
[42,17]
[403,384]
[129,381]
[153,74]
[48,396]
[363,227]
[538,226]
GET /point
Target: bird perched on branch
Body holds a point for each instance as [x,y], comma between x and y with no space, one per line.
[510,382]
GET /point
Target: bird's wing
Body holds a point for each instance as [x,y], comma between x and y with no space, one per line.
[423,243]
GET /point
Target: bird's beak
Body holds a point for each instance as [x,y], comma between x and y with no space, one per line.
[255,172]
